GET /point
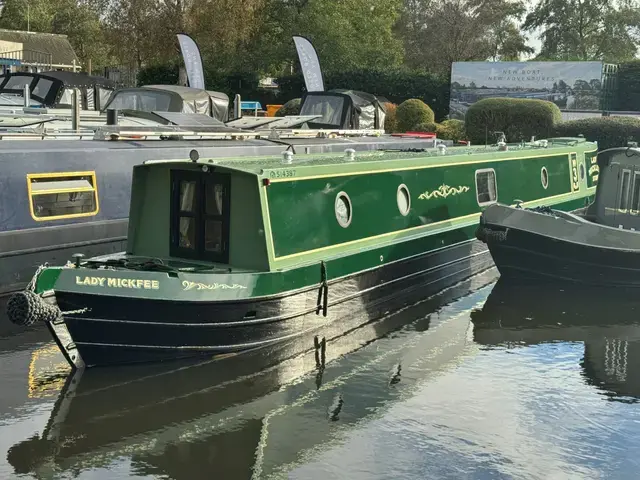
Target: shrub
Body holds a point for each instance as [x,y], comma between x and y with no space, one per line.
[164,74]
[451,130]
[427,127]
[413,112]
[391,119]
[518,118]
[292,107]
[628,91]
[607,131]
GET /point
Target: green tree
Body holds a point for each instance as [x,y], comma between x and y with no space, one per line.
[81,23]
[586,29]
[436,34]
[79,20]
[507,42]
[347,34]
[33,15]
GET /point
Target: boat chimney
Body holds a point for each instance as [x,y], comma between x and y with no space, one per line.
[27,96]
[237,106]
[75,109]
[350,154]
[112,116]
[287,157]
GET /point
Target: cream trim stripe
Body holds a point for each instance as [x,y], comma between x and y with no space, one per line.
[417,167]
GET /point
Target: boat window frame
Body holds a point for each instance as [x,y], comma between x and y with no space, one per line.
[636,176]
[343,195]
[403,188]
[544,177]
[93,187]
[620,191]
[495,180]
[200,215]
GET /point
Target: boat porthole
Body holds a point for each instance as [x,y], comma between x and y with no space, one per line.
[544,177]
[403,199]
[343,209]
[582,171]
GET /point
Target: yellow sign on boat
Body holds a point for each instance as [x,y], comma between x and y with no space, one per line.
[136,283]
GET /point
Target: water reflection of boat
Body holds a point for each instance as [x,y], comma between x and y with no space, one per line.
[201,420]
[609,328]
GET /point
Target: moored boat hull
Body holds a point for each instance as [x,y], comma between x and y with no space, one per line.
[535,246]
[130,330]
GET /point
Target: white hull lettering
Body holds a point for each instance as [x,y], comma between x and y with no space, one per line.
[136,283]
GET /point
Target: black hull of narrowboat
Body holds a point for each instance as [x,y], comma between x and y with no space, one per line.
[130,330]
[533,251]
[23,251]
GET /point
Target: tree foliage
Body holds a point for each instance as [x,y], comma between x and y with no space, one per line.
[254,36]
[586,29]
[438,33]
[79,20]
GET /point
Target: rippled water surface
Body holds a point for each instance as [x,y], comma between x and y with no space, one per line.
[520,382]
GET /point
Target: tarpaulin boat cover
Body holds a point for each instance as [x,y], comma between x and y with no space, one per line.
[54,89]
[171,98]
[344,109]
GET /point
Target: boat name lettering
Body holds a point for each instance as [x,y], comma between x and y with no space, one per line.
[187,285]
[443,191]
[594,169]
[282,174]
[136,283]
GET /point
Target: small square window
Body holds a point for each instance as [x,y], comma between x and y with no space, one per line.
[213,236]
[486,186]
[187,233]
[187,195]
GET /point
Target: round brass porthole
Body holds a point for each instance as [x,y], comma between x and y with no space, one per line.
[343,209]
[404,200]
[544,177]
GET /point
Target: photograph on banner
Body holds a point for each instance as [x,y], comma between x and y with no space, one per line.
[570,85]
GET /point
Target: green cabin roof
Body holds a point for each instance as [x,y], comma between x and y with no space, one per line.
[278,215]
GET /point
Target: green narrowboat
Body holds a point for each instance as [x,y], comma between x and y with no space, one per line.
[228,255]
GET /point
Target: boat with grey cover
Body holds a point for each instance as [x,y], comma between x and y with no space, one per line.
[599,245]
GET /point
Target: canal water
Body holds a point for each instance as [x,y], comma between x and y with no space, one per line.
[513,382]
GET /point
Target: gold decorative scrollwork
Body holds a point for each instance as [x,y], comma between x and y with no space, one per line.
[443,191]
[187,285]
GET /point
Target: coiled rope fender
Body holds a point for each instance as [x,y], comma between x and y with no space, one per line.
[485,234]
[27,307]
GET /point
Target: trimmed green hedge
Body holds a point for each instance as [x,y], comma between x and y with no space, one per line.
[607,131]
[413,112]
[451,130]
[628,94]
[518,118]
[427,127]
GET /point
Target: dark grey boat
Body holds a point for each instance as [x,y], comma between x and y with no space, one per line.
[599,245]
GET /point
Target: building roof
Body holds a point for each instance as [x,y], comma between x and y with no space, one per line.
[57,45]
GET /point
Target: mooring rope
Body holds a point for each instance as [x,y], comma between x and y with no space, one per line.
[27,307]
[31,286]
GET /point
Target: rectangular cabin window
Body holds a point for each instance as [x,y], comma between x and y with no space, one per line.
[62,195]
[486,186]
[623,199]
[200,216]
[635,196]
